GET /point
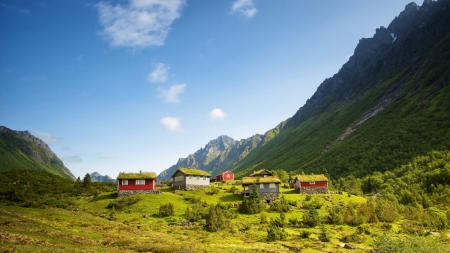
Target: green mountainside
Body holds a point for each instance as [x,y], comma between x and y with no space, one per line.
[19,150]
[388,104]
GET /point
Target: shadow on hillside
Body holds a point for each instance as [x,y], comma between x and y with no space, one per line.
[109,196]
[231,198]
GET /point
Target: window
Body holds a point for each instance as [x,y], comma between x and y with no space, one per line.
[204,178]
[198,177]
[272,185]
[124,182]
[179,178]
[140,182]
[261,186]
[190,177]
[312,182]
[228,175]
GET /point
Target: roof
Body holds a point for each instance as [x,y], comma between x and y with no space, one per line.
[259,180]
[259,172]
[194,172]
[310,178]
[224,172]
[141,175]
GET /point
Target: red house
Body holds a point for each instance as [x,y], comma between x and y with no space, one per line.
[226,175]
[311,184]
[133,183]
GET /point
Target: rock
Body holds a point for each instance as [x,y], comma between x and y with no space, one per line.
[349,246]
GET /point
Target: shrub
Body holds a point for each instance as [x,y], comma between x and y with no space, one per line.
[323,236]
[335,215]
[305,234]
[315,204]
[281,205]
[166,210]
[213,191]
[275,233]
[311,218]
[253,203]
[215,220]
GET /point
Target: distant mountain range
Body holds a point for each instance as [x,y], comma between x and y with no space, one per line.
[20,150]
[97,177]
[388,104]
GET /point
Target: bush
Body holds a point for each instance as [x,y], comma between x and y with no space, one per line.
[253,203]
[305,234]
[323,236]
[311,218]
[281,205]
[275,233]
[213,191]
[166,210]
[315,204]
[215,219]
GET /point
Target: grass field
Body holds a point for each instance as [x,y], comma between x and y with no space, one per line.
[90,226]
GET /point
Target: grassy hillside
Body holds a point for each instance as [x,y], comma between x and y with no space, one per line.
[415,122]
[15,155]
[41,212]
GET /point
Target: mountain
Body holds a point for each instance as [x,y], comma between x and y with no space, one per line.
[388,104]
[20,150]
[97,177]
[221,154]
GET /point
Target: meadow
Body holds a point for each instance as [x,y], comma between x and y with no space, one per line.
[95,220]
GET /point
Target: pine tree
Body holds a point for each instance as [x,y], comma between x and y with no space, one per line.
[87,180]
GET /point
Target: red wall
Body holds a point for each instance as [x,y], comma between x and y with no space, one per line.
[149,185]
[321,184]
[224,176]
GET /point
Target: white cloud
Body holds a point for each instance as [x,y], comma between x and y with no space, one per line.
[46,137]
[159,73]
[140,24]
[217,114]
[171,123]
[71,159]
[245,7]
[172,94]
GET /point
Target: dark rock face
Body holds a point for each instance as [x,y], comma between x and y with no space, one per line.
[382,56]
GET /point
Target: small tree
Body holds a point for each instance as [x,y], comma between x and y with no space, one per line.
[215,219]
[311,218]
[87,180]
[166,210]
[253,203]
[323,236]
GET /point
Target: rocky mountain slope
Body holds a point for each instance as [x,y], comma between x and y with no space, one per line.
[21,150]
[388,104]
[221,154]
[97,177]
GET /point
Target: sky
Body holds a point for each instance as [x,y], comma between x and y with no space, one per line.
[129,85]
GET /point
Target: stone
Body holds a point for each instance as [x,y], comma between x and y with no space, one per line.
[123,193]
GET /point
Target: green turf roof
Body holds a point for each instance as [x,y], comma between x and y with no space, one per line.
[194,172]
[141,175]
[259,180]
[259,172]
[311,178]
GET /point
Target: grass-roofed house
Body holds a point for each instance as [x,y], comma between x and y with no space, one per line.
[311,184]
[267,184]
[190,179]
[134,183]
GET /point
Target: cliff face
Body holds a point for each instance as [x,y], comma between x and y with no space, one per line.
[22,150]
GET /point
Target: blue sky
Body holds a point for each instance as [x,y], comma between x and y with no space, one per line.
[134,85]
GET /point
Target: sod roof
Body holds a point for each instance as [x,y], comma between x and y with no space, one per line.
[260,180]
[259,172]
[141,175]
[194,172]
[311,178]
